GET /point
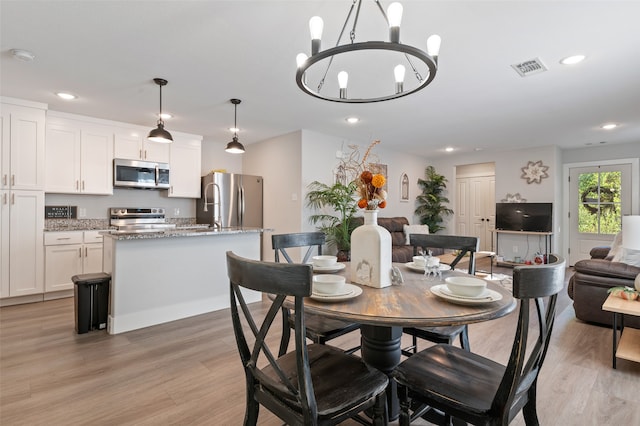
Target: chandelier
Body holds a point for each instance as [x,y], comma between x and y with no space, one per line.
[376,64]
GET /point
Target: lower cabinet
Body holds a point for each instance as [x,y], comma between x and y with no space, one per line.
[70,253]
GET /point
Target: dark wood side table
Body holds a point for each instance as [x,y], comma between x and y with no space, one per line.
[629,345]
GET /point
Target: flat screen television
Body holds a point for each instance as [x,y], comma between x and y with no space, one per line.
[530,217]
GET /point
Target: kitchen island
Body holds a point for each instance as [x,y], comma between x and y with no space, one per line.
[162,276]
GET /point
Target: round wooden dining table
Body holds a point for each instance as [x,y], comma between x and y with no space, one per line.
[383,312]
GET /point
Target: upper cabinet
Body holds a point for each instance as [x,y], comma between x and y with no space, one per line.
[23,138]
[133,145]
[185,166]
[79,157]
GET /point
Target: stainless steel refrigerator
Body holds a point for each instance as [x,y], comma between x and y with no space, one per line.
[230,200]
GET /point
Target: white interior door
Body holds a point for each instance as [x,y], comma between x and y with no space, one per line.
[598,198]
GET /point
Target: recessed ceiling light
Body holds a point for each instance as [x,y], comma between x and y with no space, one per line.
[234,129]
[609,126]
[572,60]
[352,120]
[448,149]
[23,55]
[165,116]
[66,96]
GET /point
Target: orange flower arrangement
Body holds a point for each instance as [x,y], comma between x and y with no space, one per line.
[372,196]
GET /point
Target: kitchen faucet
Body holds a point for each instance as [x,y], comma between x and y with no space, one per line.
[217,222]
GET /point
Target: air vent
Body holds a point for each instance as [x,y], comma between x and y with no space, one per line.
[530,67]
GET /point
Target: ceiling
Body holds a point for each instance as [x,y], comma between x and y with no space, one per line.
[108,52]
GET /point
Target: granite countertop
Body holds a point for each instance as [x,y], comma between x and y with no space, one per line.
[178,232]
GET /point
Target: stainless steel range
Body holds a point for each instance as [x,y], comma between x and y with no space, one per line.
[135,219]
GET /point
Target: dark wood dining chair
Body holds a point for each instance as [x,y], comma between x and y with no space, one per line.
[311,385]
[475,389]
[464,245]
[320,329]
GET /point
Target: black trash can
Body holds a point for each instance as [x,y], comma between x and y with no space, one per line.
[91,293]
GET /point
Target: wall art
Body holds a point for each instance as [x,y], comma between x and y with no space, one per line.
[515,198]
[534,172]
[404,188]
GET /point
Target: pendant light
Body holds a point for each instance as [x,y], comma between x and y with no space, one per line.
[235,147]
[159,134]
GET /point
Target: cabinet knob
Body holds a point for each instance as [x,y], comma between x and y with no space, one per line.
[13,180]
[4,179]
[83,185]
[77,185]
[13,198]
[80,252]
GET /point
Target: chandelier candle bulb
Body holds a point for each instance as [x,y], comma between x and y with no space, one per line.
[398,73]
[343,79]
[394,15]
[433,46]
[315,27]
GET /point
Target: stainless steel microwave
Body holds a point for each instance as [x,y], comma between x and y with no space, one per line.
[140,174]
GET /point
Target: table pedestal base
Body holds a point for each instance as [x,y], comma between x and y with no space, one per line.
[381,350]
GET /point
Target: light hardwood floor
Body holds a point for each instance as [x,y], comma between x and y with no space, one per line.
[188,372]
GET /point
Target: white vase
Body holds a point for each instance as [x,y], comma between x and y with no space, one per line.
[371,253]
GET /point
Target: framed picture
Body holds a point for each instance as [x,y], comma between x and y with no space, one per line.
[404,188]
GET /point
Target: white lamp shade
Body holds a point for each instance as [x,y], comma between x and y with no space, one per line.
[631,232]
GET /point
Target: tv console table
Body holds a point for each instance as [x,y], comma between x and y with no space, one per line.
[547,243]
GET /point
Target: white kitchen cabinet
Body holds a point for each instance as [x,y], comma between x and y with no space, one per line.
[21,228]
[79,158]
[22,145]
[133,145]
[69,253]
[185,167]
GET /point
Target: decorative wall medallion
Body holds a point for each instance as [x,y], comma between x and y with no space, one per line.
[534,172]
[515,198]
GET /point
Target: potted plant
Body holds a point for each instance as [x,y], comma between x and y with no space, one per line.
[339,225]
[431,208]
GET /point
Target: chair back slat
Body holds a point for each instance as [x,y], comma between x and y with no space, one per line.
[464,244]
[312,240]
[538,285]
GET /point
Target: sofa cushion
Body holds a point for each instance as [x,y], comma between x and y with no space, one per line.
[414,229]
[606,268]
[630,257]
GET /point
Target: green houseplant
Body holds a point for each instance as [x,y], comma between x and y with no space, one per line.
[337,225]
[431,208]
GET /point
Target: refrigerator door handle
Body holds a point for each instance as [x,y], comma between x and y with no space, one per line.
[242,206]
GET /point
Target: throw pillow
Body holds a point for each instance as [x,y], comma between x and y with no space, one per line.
[616,248]
[630,257]
[414,229]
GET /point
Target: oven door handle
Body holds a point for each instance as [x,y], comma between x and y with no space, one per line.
[157,175]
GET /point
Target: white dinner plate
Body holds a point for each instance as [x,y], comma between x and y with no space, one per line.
[333,268]
[419,268]
[443,292]
[350,292]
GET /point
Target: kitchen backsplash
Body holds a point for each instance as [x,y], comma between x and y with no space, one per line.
[91,224]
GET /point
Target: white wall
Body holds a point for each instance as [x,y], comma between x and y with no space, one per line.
[277,160]
[508,165]
[214,157]
[319,162]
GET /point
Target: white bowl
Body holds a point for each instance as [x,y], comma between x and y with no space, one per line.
[324,260]
[466,286]
[328,284]
[419,260]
